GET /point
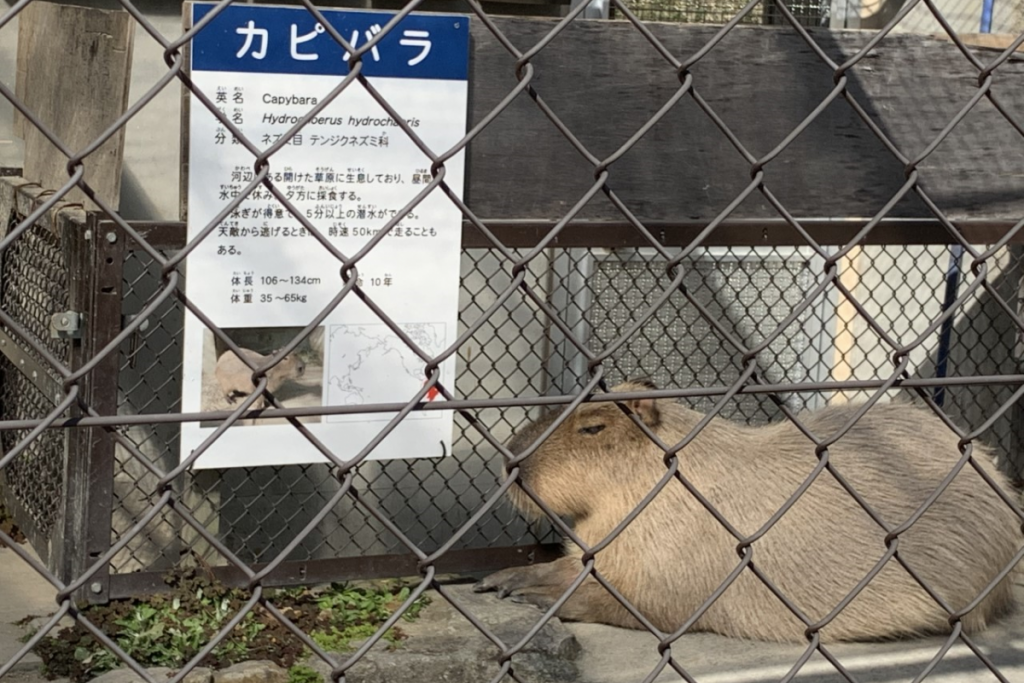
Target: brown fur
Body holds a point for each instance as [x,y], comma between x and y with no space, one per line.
[674,555]
[235,377]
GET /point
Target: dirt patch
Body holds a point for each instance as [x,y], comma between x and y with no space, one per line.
[8,526]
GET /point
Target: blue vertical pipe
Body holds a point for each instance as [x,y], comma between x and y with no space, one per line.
[955,256]
[986,15]
[946,331]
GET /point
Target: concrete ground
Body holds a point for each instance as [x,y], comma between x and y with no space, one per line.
[23,593]
[612,655]
[616,656]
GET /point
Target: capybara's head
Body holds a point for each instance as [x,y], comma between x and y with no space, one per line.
[290,367]
[593,448]
[296,364]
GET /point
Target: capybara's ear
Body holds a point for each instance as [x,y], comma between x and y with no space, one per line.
[638,384]
[647,410]
[646,383]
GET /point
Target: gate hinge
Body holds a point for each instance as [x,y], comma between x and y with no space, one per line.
[66,325]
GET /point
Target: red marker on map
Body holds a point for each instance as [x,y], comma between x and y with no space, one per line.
[432,393]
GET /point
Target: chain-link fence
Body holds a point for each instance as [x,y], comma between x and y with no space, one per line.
[753,321]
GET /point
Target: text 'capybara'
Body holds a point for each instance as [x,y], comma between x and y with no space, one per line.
[598,466]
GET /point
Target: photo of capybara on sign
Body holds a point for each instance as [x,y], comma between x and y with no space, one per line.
[235,376]
[597,466]
[295,381]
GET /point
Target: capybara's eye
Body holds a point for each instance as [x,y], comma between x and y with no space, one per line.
[591,430]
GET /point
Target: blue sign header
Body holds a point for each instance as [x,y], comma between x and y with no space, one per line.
[289,40]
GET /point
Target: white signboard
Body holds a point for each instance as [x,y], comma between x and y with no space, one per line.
[261,276]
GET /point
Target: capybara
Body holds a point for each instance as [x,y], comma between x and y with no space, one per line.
[235,377]
[598,465]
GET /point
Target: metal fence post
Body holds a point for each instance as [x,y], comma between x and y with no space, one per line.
[91,454]
[70,559]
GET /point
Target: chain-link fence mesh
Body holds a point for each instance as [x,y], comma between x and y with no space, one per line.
[819,323]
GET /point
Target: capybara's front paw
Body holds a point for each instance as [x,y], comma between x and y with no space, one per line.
[505,581]
[543,598]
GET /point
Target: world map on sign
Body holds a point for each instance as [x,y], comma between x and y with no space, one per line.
[371,364]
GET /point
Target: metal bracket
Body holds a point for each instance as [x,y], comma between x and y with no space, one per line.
[66,325]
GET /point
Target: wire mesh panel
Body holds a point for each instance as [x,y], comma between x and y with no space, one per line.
[34,277]
[753,291]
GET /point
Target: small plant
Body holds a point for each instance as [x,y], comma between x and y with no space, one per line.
[340,640]
[300,673]
[360,605]
[169,630]
[358,612]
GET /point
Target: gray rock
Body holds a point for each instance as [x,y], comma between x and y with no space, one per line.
[442,645]
[126,675]
[251,672]
[37,622]
[29,676]
[200,674]
[159,673]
